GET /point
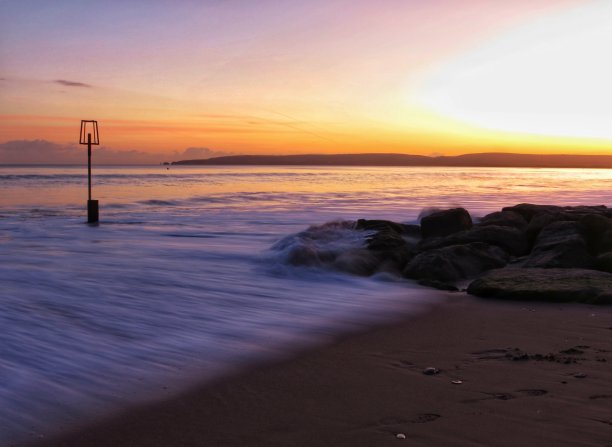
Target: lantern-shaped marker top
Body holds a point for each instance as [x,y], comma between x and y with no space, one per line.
[89,127]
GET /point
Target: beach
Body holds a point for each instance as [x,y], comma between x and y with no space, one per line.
[509,374]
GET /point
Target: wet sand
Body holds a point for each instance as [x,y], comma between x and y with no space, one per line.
[524,375]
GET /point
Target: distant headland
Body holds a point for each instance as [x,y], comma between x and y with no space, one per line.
[490,159]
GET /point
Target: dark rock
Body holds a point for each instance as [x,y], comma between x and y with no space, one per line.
[595,225]
[393,261]
[560,244]
[455,262]
[413,231]
[391,250]
[386,240]
[510,239]
[388,225]
[392,246]
[309,255]
[604,262]
[378,225]
[504,219]
[582,210]
[537,223]
[605,244]
[443,223]
[528,210]
[534,284]
[357,262]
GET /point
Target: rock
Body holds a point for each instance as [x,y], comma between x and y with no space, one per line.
[504,219]
[537,223]
[604,262]
[400,436]
[455,262]
[393,261]
[412,231]
[387,225]
[391,250]
[431,371]
[560,244]
[528,210]
[580,210]
[443,223]
[536,284]
[593,228]
[378,225]
[386,240]
[510,239]
[595,225]
[357,262]
[605,244]
[308,255]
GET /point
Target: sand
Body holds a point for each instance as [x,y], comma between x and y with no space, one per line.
[526,375]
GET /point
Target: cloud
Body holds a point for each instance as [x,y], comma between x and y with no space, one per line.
[71,83]
[47,152]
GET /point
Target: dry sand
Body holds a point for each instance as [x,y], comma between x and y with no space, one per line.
[366,389]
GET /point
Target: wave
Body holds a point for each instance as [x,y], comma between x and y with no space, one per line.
[336,245]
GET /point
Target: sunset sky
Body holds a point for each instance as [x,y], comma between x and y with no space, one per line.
[195,78]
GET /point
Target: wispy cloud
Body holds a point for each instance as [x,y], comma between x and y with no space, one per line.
[71,83]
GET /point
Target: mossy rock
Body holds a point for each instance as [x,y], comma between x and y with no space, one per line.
[538,284]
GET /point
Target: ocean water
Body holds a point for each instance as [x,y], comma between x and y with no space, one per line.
[187,275]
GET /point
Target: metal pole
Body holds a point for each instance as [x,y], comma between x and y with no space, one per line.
[89,164]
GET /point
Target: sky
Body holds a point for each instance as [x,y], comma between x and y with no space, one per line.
[168,79]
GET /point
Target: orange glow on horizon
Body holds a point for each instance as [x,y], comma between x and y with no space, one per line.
[251,136]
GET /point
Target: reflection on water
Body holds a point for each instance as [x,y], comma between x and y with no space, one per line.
[362,189]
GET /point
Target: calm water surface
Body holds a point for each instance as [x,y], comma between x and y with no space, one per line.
[180,280]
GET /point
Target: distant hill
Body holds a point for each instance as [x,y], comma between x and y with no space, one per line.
[491,159]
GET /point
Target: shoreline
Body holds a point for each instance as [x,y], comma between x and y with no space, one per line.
[521,368]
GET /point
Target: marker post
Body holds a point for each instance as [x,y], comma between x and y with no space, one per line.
[89,128]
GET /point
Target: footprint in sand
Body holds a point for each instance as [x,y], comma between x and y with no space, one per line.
[392,424]
[403,364]
[501,396]
[533,392]
[508,396]
[574,351]
[491,354]
[497,396]
[392,421]
[425,417]
[600,396]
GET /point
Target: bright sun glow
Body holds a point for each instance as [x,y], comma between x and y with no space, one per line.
[550,77]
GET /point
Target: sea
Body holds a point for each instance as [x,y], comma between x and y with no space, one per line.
[190,273]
